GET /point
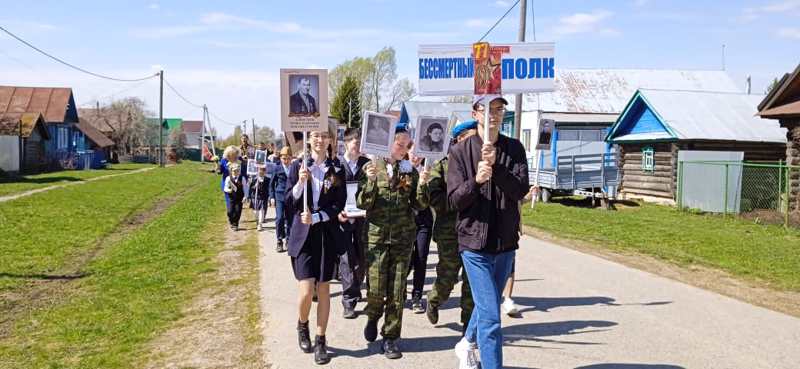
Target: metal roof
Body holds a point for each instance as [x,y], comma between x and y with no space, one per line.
[192,126]
[94,135]
[581,118]
[411,110]
[609,90]
[22,124]
[52,103]
[783,101]
[698,115]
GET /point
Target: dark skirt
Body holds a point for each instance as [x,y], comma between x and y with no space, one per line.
[314,260]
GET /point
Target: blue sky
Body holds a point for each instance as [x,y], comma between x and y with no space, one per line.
[227,54]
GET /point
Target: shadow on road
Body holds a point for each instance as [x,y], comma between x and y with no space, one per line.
[544,304]
[536,331]
[630,366]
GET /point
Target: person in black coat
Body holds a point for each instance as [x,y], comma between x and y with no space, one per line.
[277,196]
[353,264]
[316,239]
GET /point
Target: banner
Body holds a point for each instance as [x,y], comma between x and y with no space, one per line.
[448,70]
[304,100]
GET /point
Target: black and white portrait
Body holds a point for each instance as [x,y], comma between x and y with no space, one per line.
[377,133]
[261,157]
[378,130]
[303,95]
[432,134]
[431,138]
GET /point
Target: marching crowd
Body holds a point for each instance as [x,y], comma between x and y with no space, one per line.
[467,202]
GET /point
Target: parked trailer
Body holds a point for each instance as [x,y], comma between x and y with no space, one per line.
[590,175]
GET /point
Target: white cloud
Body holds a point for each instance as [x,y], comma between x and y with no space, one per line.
[750,14]
[585,23]
[28,26]
[477,23]
[502,4]
[224,19]
[166,32]
[792,33]
[640,3]
[783,6]
[154,6]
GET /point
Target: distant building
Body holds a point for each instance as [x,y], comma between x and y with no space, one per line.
[23,139]
[783,104]
[68,146]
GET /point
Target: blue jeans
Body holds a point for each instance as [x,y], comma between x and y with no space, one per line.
[282,223]
[487,275]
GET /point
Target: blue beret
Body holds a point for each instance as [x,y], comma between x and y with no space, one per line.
[401,127]
[463,126]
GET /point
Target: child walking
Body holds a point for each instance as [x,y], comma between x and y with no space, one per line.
[234,187]
[388,192]
[259,190]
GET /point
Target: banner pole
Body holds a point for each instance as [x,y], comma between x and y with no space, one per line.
[305,166]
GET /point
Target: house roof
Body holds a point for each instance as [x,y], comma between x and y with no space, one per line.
[783,101]
[609,90]
[411,110]
[695,115]
[94,135]
[55,104]
[11,123]
[192,126]
[100,119]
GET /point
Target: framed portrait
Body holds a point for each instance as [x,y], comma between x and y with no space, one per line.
[432,137]
[377,133]
[261,157]
[545,134]
[304,100]
[252,169]
[340,148]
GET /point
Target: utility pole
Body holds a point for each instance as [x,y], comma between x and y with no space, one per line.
[161,120]
[523,9]
[203,136]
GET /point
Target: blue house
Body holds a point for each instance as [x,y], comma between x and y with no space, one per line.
[68,147]
[657,125]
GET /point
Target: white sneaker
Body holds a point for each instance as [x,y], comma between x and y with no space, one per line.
[259,228]
[509,307]
[467,357]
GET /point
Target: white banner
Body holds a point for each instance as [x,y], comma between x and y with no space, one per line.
[447,70]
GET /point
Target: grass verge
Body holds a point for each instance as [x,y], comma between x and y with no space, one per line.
[131,293]
[11,185]
[44,232]
[767,254]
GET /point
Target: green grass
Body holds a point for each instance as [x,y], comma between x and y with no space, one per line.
[132,292]
[763,253]
[10,185]
[43,232]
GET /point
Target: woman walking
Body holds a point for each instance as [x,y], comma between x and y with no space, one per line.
[315,239]
[388,192]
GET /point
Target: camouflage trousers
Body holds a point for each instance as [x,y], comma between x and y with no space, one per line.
[386,294]
[446,278]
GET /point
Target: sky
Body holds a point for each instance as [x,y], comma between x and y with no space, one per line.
[228,54]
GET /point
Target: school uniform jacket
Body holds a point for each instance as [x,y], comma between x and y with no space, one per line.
[331,201]
[278,186]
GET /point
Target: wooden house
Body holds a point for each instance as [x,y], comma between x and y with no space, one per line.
[657,124]
[23,138]
[783,104]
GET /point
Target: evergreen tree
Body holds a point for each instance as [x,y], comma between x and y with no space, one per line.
[346,106]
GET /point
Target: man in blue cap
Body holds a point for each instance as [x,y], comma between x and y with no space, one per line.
[434,193]
[487,176]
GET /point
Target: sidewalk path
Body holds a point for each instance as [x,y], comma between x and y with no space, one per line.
[578,311]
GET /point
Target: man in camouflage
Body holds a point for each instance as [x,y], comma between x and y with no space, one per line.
[434,194]
[388,192]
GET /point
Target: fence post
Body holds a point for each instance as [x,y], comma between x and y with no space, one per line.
[780,185]
[680,186]
[788,194]
[725,209]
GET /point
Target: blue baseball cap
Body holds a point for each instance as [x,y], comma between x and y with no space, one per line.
[458,129]
[401,127]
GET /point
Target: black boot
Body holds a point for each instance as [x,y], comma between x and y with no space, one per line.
[279,246]
[321,355]
[303,338]
[390,349]
[371,330]
[432,313]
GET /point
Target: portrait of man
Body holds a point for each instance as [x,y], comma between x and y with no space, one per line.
[378,130]
[433,135]
[303,101]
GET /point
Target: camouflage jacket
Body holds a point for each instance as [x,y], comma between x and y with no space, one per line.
[434,194]
[390,203]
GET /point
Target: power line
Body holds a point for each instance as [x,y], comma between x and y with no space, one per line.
[112,95]
[71,65]
[181,96]
[223,120]
[499,20]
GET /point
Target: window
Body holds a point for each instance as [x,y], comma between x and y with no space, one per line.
[648,159]
[526,139]
[62,138]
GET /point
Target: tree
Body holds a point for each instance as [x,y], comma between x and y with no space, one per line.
[234,139]
[346,106]
[775,82]
[265,135]
[178,141]
[380,88]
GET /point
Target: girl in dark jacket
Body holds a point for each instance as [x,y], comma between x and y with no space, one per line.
[315,241]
